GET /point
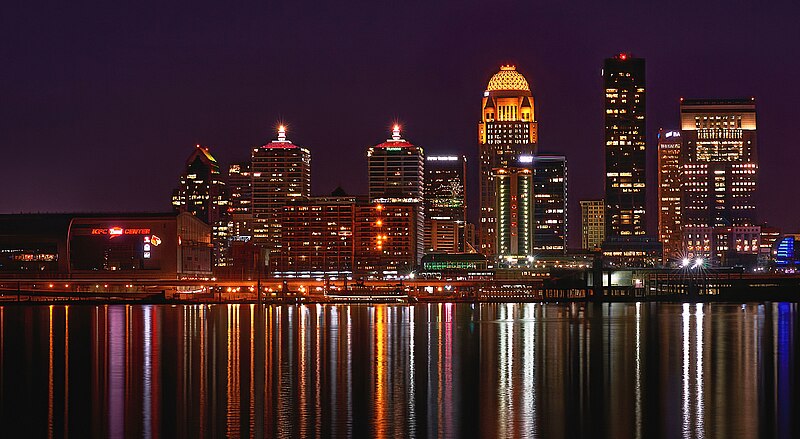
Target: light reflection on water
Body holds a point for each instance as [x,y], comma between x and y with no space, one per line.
[432,370]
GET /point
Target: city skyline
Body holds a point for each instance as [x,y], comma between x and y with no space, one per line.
[132,128]
[387,219]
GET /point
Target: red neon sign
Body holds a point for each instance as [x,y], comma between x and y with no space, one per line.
[113,232]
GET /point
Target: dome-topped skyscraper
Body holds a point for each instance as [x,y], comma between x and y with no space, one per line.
[508,78]
[507,130]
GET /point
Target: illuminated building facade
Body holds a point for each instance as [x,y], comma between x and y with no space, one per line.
[506,131]
[385,239]
[719,169]
[396,175]
[769,235]
[670,232]
[593,224]
[624,80]
[514,208]
[317,237]
[724,246]
[281,173]
[786,251]
[631,251]
[240,201]
[135,245]
[201,192]
[445,204]
[549,204]
[341,236]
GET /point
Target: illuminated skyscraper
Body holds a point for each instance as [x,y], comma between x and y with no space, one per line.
[669,194]
[240,200]
[593,224]
[549,204]
[201,192]
[514,207]
[445,203]
[396,175]
[281,173]
[624,80]
[720,164]
[507,130]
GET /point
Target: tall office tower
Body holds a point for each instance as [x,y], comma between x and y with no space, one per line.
[624,80]
[593,224]
[720,164]
[201,192]
[514,206]
[281,173]
[445,203]
[669,195]
[549,204]
[396,175]
[507,130]
[240,199]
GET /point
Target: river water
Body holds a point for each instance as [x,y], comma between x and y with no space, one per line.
[427,370]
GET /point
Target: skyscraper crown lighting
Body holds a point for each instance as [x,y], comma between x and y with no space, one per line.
[508,78]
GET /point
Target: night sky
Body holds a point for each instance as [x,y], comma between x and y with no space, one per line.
[101,104]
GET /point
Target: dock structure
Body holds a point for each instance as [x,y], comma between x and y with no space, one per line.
[569,285]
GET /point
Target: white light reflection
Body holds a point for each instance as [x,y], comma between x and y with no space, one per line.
[693,399]
[698,321]
[529,369]
[686,425]
[505,388]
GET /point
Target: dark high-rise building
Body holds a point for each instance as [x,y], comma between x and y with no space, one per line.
[240,201]
[624,81]
[396,175]
[506,131]
[201,192]
[549,204]
[669,195]
[719,167]
[281,173]
[445,203]
[514,207]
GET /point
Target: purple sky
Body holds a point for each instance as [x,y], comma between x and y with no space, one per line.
[101,104]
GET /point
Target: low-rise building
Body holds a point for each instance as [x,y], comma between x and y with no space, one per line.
[105,246]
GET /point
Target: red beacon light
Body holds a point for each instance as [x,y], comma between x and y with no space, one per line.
[623,56]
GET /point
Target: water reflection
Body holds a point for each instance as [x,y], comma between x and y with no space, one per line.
[433,370]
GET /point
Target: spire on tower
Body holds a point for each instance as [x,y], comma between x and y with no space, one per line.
[281,133]
[396,132]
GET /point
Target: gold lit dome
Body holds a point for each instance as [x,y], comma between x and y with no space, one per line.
[508,78]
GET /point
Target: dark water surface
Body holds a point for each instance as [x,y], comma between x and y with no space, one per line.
[493,370]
